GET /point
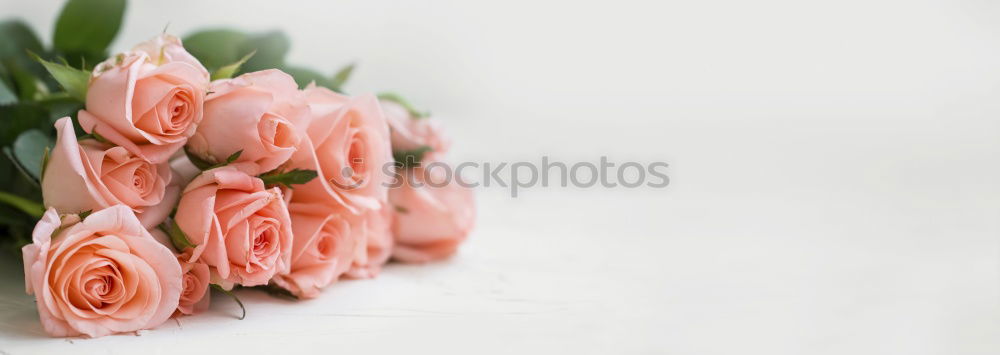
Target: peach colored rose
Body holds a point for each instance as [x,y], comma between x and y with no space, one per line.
[147,103]
[262,113]
[89,176]
[167,48]
[194,294]
[376,243]
[348,146]
[325,242]
[103,275]
[240,229]
[194,280]
[430,222]
[410,133]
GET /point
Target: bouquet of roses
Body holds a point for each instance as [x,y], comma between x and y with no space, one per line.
[177,167]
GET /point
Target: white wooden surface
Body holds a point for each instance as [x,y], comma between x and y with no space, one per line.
[834,172]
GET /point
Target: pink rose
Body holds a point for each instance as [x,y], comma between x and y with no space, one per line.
[239,228]
[167,48]
[103,275]
[261,113]
[194,280]
[147,103]
[89,176]
[325,242]
[348,146]
[194,294]
[411,133]
[430,221]
[376,230]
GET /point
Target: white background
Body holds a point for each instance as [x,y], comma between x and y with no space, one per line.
[834,178]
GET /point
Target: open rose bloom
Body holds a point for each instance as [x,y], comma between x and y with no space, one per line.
[177,185]
[262,114]
[324,247]
[89,175]
[148,101]
[239,228]
[348,146]
[102,275]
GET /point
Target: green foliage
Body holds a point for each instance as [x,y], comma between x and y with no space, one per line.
[20,117]
[7,96]
[203,164]
[30,149]
[393,97]
[288,178]
[410,158]
[216,48]
[219,49]
[177,236]
[227,71]
[75,81]
[271,48]
[30,207]
[304,76]
[233,296]
[85,28]
[18,40]
[342,75]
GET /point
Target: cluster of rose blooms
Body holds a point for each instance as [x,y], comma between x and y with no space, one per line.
[178,183]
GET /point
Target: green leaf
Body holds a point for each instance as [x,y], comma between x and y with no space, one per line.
[216,48]
[30,207]
[177,236]
[29,88]
[230,294]
[93,135]
[17,38]
[46,155]
[198,162]
[393,97]
[20,117]
[342,75]
[74,80]
[276,291]
[21,169]
[288,178]
[83,215]
[7,95]
[87,27]
[304,76]
[231,158]
[271,48]
[204,164]
[228,71]
[410,158]
[29,149]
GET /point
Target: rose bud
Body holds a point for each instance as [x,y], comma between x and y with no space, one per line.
[194,280]
[376,229]
[103,275]
[89,176]
[239,228]
[412,132]
[348,146]
[194,294]
[325,242]
[261,113]
[148,103]
[430,221]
